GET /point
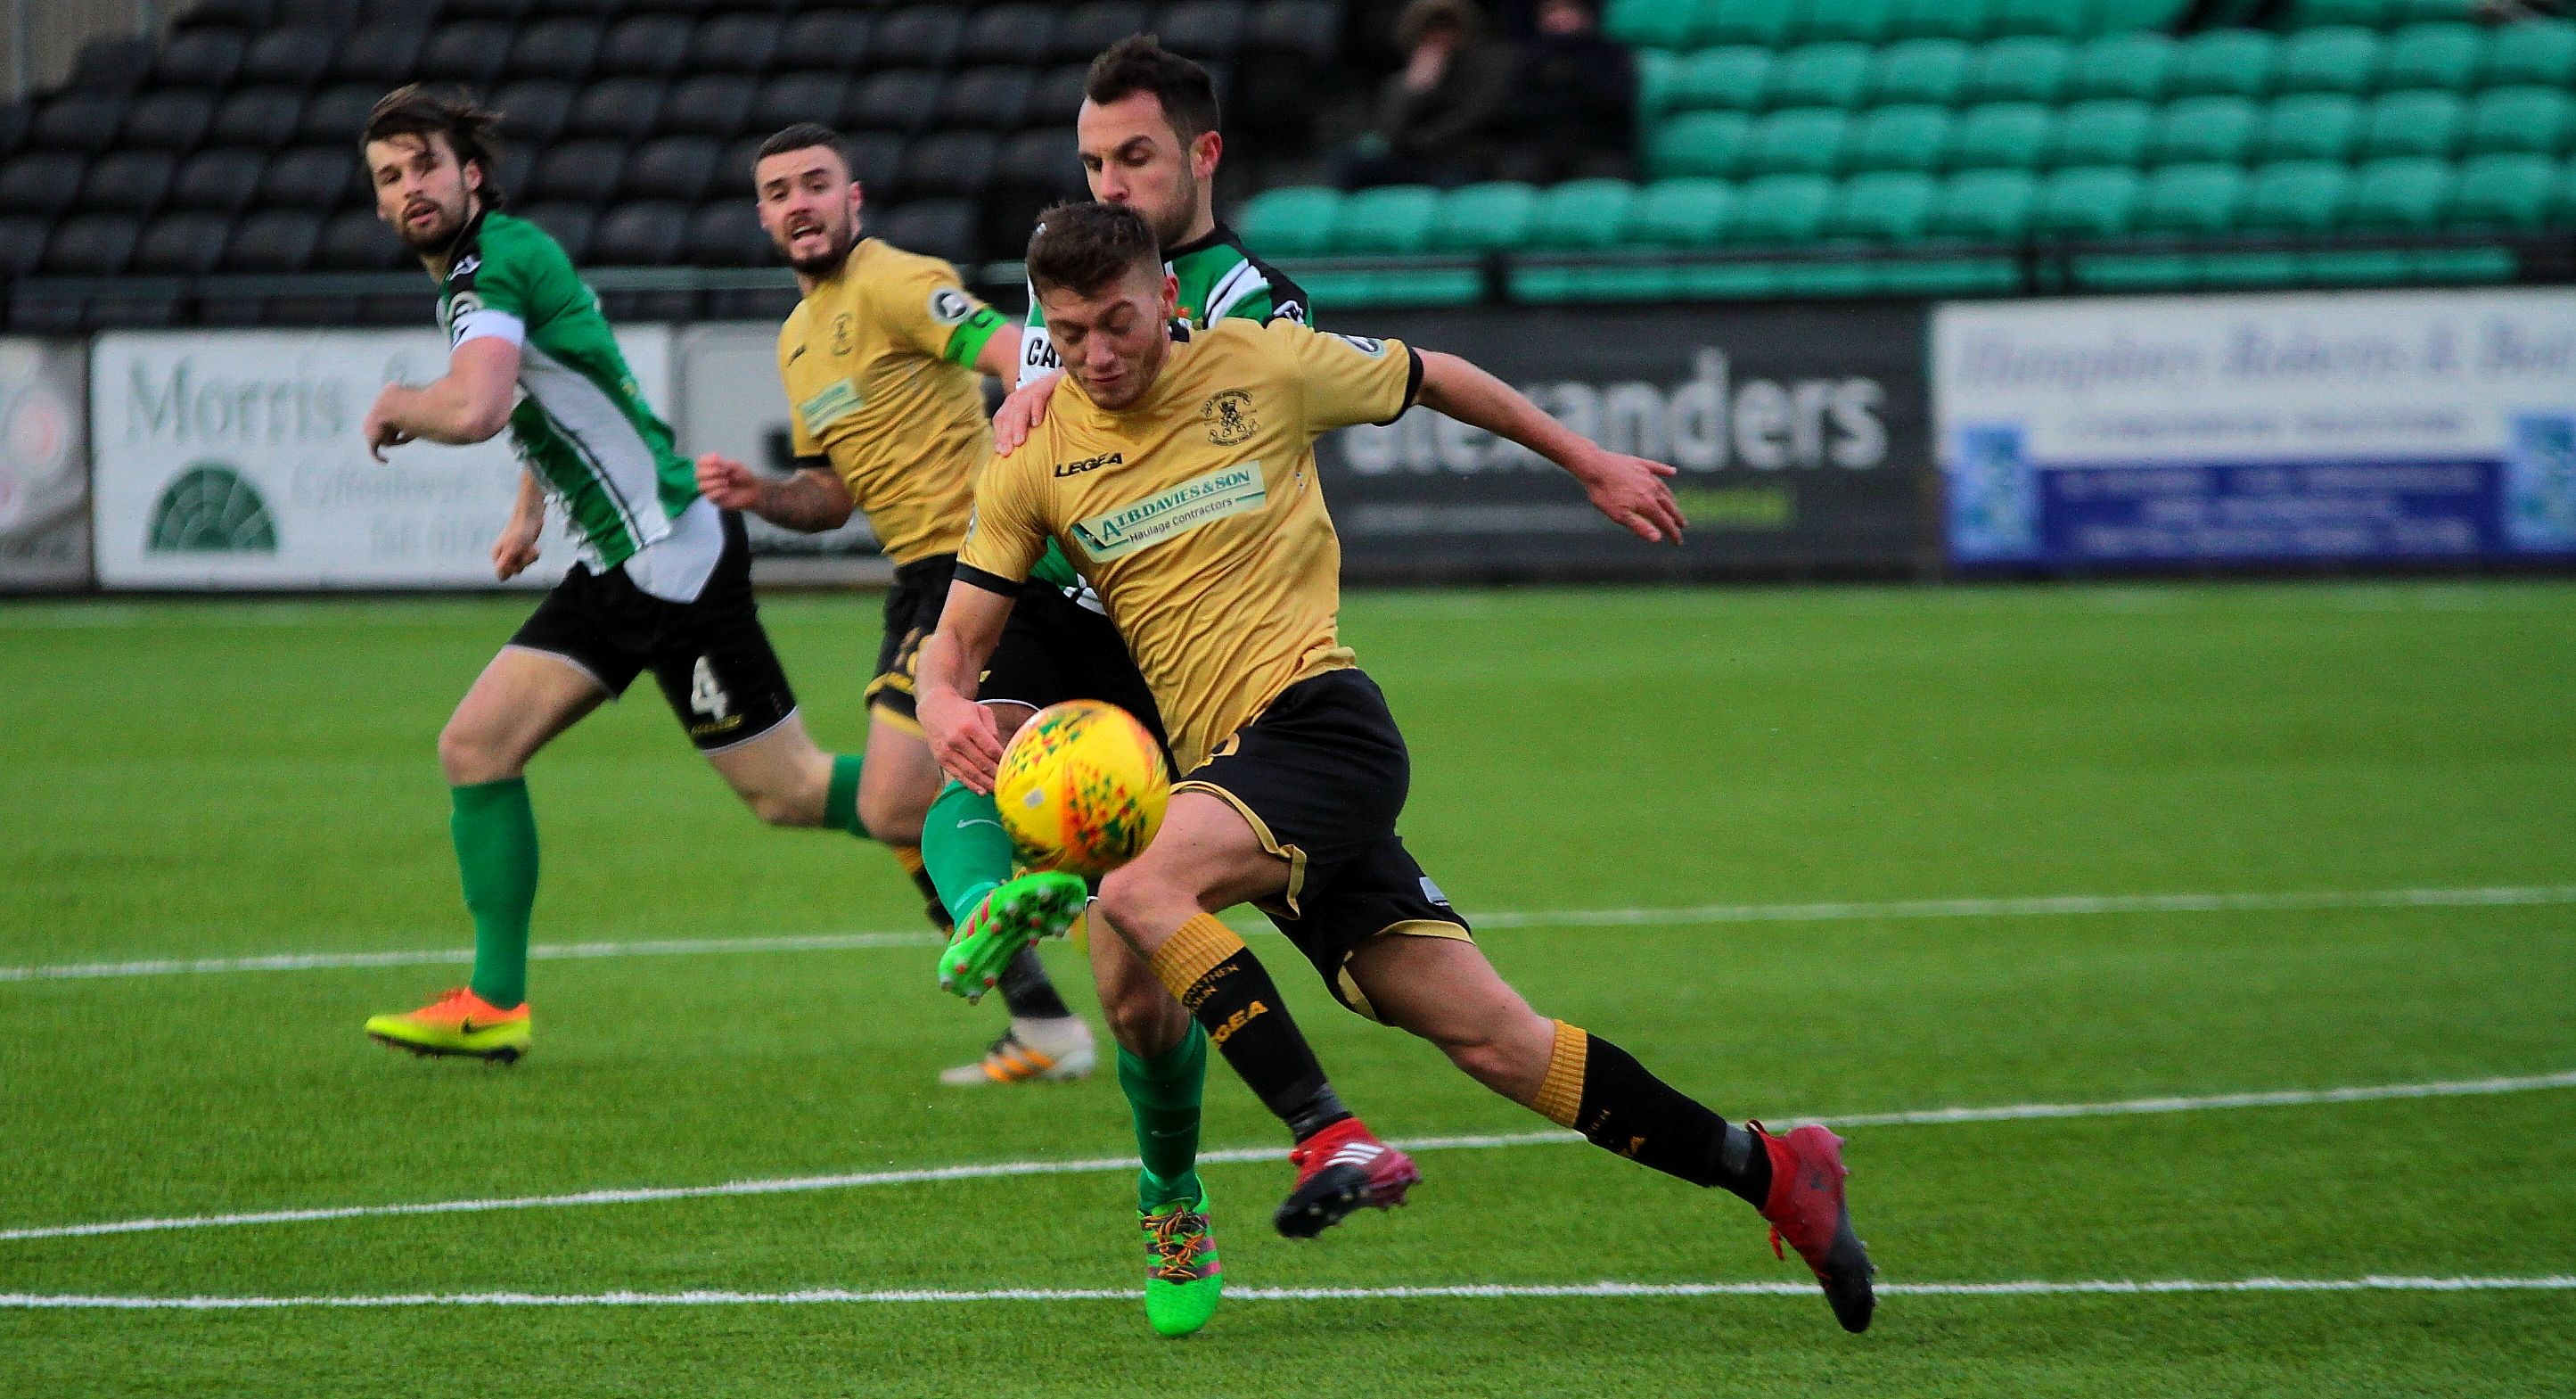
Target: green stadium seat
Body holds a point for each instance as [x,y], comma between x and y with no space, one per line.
[2197,199]
[2021,68]
[1763,22]
[2501,191]
[1785,208]
[2134,65]
[1919,70]
[1820,75]
[2202,128]
[2356,14]
[1389,219]
[2534,120]
[1858,21]
[1686,213]
[2000,135]
[1886,206]
[1899,138]
[1698,143]
[1987,205]
[2234,62]
[1649,24]
[2111,131]
[1292,220]
[1654,85]
[1732,77]
[2330,58]
[1491,217]
[2421,122]
[2122,16]
[2403,194]
[1800,140]
[2429,55]
[2061,18]
[2412,11]
[1939,19]
[2294,196]
[2088,201]
[1583,214]
[2539,51]
[2308,126]
[2465,265]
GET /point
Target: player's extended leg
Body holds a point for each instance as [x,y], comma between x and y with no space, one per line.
[515,707]
[1445,991]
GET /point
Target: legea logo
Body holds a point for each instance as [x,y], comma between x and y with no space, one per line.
[210,508]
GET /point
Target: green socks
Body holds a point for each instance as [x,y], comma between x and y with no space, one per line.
[841,799]
[496,851]
[1163,1092]
[965,848]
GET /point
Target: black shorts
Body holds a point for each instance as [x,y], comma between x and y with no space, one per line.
[711,657]
[911,614]
[1052,649]
[1321,775]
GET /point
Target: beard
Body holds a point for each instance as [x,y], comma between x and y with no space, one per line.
[1171,223]
[435,236]
[825,264]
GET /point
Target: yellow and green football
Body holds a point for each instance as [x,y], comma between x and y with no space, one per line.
[1081,788]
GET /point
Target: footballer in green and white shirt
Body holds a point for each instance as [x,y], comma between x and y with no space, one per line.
[664,578]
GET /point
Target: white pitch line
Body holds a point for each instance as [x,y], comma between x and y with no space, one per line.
[2054,905]
[1933,1117]
[809,1296]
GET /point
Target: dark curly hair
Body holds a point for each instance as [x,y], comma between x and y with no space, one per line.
[471,131]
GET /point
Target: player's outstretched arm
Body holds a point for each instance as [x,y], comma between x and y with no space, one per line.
[809,502]
[471,403]
[961,732]
[1630,490]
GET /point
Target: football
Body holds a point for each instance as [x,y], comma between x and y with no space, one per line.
[1081,788]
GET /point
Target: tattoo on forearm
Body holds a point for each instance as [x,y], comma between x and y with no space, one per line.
[808,501]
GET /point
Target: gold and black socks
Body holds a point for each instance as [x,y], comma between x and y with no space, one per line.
[1217,980]
[1600,1090]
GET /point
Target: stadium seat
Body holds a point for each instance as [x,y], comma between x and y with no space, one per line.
[1649,24]
[1699,143]
[295,56]
[2334,58]
[1939,19]
[1778,209]
[2421,122]
[1819,75]
[922,36]
[990,99]
[1581,214]
[1852,21]
[2541,52]
[2114,16]
[13,127]
[578,172]
[1291,220]
[648,233]
[1885,206]
[1799,140]
[617,109]
[2359,14]
[191,244]
[2202,129]
[1919,70]
[2000,135]
[273,241]
[307,177]
[133,183]
[113,66]
[174,119]
[674,168]
[1021,34]
[656,46]
[1086,29]
[334,114]
[2429,55]
[1731,77]
[22,244]
[736,158]
[2224,62]
[469,52]
[2294,196]
[533,110]
[568,224]
[2132,65]
[2061,19]
[942,228]
[2088,201]
[219,181]
[2533,120]
[1202,29]
[1683,213]
[948,165]
[1495,216]
[42,184]
[1306,29]
[91,245]
[876,157]
[2404,193]
[1058,94]
[354,240]
[2109,131]
[727,234]
[77,122]
[1763,22]
[379,54]
[1389,219]
[199,58]
[710,104]
[1042,161]
[2195,199]
[2020,68]
[794,97]
[2503,190]
[1899,138]
[902,100]
[555,48]
[2308,126]
[735,43]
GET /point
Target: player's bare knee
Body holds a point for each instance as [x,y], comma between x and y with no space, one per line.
[469,753]
[894,818]
[1143,1018]
[797,809]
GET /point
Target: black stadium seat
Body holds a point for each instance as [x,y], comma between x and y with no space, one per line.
[533,110]
[733,168]
[80,122]
[239,14]
[1202,29]
[1058,95]
[355,240]
[382,54]
[666,7]
[297,56]
[898,101]
[734,44]
[708,105]
[649,233]
[505,10]
[674,168]
[128,182]
[943,228]
[921,36]
[218,181]
[397,11]
[1083,31]
[948,164]
[111,65]
[554,48]
[324,14]
[569,224]
[41,183]
[582,172]
[22,244]
[199,58]
[834,39]
[728,234]
[796,97]
[273,240]
[621,109]
[645,46]
[91,245]
[337,114]
[875,157]
[516,165]
[13,127]
[584,9]
[990,99]
[1042,161]
[469,52]
[181,245]
[1017,33]
[174,119]
[308,177]
[1310,29]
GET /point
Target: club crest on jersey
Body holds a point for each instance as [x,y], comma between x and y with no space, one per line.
[1229,419]
[1228,490]
[948,306]
[842,333]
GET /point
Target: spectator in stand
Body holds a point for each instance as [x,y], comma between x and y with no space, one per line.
[1436,119]
[1573,103]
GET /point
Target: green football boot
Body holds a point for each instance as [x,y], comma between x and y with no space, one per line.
[1033,906]
[1182,1274]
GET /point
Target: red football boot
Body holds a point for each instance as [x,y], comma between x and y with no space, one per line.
[1807,1208]
[1340,1170]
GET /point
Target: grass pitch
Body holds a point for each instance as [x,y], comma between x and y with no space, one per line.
[240,779]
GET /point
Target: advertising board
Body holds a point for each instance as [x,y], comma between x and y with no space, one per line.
[44,466]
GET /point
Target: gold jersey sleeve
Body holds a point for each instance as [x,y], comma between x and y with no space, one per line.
[869,386]
[1197,516]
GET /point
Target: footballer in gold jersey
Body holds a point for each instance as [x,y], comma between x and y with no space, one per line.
[1179,478]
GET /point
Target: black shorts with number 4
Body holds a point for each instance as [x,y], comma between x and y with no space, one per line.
[711,657]
[1321,777]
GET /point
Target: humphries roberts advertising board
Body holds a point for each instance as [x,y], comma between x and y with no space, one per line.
[233,460]
[2396,426]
